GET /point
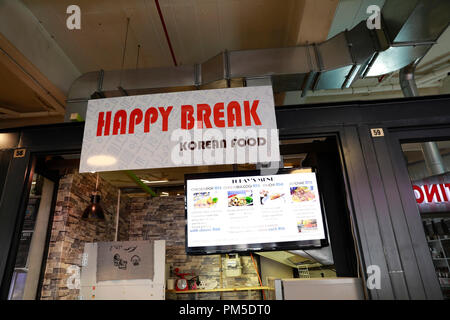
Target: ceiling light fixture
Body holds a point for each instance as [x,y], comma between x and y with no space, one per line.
[154,181]
[94,210]
[101,161]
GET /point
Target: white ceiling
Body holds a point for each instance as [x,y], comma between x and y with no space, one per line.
[198,29]
[99,43]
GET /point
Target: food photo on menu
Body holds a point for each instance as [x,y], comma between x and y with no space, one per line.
[271,197]
[307,225]
[302,194]
[204,200]
[240,198]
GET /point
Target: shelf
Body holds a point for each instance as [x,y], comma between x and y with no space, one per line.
[221,290]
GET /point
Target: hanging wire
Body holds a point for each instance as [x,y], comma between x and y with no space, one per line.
[137,58]
[124,51]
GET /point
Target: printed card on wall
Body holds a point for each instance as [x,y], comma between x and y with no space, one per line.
[125,260]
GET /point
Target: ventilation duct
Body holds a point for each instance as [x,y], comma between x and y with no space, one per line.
[409,29]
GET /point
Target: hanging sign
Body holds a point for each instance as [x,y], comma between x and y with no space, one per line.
[433,193]
[191,128]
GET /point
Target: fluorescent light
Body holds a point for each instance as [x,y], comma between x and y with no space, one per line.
[154,181]
[101,161]
[164,194]
[302,170]
[288,167]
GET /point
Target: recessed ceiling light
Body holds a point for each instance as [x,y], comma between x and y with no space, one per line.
[154,181]
[101,161]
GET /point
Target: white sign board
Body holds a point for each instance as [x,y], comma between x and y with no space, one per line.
[253,209]
[191,128]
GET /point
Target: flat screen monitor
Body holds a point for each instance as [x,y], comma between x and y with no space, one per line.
[246,211]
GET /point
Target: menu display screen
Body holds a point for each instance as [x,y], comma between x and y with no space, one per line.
[250,212]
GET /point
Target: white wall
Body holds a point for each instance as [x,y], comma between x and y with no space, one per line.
[271,268]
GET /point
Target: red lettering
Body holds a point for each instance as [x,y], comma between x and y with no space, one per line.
[165,115]
[251,113]
[120,122]
[444,194]
[421,196]
[236,116]
[203,114]
[100,123]
[187,115]
[108,122]
[151,115]
[431,193]
[219,115]
[135,118]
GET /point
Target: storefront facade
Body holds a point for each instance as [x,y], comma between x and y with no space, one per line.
[383,216]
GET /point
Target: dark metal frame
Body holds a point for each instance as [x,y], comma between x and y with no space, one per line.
[411,213]
[386,224]
[251,247]
[39,140]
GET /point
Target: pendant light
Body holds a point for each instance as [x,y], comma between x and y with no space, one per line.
[94,210]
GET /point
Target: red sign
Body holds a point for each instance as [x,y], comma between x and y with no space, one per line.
[433,193]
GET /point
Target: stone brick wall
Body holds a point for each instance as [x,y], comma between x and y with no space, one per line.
[69,232]
[163,218]
[141,218]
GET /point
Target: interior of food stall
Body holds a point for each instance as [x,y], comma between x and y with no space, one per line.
[149,205]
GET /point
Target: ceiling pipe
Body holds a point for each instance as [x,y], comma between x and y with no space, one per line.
[407,80]
[333,64]
[432,156]
[169,43]
[363,90]
[141,184]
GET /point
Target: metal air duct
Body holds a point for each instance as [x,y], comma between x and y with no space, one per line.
[409,29]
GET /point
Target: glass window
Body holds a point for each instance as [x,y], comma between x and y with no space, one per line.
[429,171]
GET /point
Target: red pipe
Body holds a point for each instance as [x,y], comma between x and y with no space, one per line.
[165,31]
